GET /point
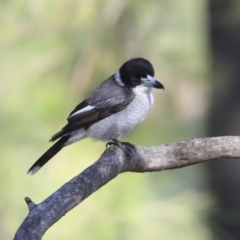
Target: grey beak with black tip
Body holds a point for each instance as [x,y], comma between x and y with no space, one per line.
[152,82]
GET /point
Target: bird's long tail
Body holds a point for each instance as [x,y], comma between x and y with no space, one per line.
[48,154]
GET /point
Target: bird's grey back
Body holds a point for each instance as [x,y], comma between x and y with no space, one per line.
[109,91]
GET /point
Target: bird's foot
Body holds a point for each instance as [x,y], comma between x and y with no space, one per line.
[128,148]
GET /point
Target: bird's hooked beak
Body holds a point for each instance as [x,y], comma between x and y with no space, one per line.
[152,82]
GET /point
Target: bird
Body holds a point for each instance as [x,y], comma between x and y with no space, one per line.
[114,108]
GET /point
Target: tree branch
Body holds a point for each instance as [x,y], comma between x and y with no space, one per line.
[114,161]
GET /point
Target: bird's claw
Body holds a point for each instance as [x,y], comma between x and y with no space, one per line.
[128,148]
[114,142]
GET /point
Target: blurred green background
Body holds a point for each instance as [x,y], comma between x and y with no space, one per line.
[52,54]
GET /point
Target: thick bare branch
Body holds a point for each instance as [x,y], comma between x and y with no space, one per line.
[114,161]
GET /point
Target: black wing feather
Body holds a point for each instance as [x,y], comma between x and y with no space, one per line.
[88,118]
[79,107]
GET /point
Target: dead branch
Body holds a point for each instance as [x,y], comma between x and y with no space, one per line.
[114,161]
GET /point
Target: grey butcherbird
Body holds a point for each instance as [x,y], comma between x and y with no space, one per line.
[114,108]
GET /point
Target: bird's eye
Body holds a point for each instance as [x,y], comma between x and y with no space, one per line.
[136,78]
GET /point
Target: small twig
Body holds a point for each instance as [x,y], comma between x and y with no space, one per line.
[30,203]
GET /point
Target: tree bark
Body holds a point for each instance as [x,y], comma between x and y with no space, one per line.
[114,161]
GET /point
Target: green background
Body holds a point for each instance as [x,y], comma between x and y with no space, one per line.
[52,54]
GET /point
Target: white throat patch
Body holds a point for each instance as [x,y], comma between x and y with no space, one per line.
[118,79]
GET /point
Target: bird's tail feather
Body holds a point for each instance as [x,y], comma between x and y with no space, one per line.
[48,154]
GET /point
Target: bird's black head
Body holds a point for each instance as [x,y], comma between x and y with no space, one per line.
[138,71]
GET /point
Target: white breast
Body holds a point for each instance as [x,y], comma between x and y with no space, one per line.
[118,124]
[144,92]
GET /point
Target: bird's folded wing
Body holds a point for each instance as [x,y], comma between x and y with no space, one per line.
[84,115]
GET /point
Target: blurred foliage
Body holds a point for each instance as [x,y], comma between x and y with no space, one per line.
[52,55]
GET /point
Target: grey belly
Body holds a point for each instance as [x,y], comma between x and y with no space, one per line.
[118,124]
